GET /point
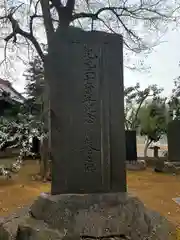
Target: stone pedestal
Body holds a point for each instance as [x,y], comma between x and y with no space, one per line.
[72,216]
[167,167]
[136,165]
[172,167]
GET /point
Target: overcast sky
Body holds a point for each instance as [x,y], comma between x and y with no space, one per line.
[163,61]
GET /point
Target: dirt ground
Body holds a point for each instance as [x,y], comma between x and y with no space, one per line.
[155,190]
[21,190]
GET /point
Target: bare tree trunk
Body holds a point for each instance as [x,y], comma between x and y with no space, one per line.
[44,158]
[45,144]
[148,142]
[65,17]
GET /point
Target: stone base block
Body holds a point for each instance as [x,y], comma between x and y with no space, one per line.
[172,167]
[104,216]
[22,226]
[136,165]
[167,167]
[177,164]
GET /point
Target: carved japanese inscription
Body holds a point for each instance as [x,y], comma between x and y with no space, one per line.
[90,105]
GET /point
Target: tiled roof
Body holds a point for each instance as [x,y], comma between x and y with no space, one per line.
[5,86]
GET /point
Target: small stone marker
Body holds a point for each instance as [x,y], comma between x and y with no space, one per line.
[155,151]
[35,146]
[87,112]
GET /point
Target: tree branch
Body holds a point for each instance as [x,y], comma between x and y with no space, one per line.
[127,12]
[94,16]
[17,30]
[142,12]
[65,13]
[47,19]
[70,6]
[33,17]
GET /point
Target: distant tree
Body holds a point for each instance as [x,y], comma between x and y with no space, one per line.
[176,88]
[174,102]
[134,100]
[174,108]
[153,119]
[35,88]
[35,85]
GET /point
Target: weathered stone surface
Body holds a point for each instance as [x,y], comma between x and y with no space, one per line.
[101,215]
[35,231]
[22,226]
[9,225]
[73,217]
[136,165]
[87,112]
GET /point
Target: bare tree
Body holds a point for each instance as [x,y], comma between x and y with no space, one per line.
[129,18]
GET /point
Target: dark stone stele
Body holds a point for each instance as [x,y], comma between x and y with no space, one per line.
[85,73]
[35,146]
[173,141]
[131,146]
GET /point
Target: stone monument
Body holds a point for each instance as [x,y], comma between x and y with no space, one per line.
[87,113]
[88,198]
[131,146]
[173,141]
[132,163]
